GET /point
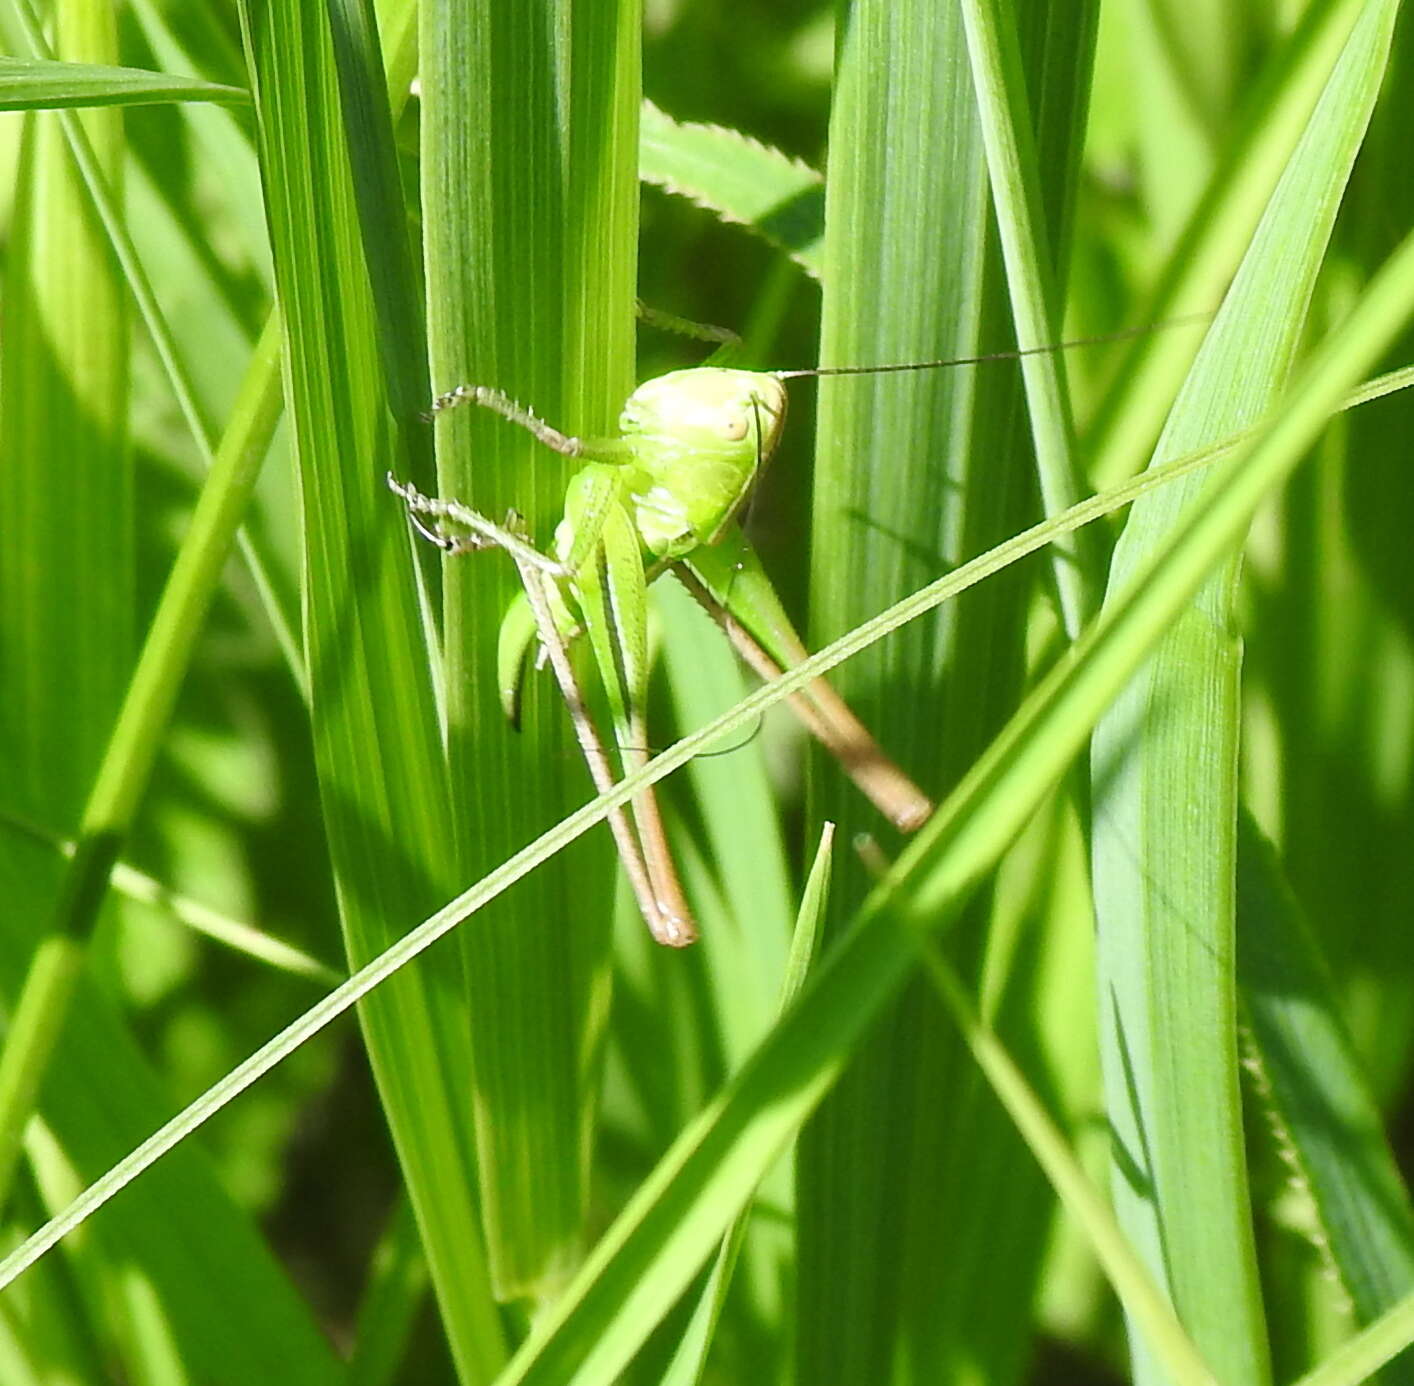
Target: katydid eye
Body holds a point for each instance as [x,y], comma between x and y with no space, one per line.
[737,422]
[735,426]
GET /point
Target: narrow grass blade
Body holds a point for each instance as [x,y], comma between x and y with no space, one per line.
[1137,1289]
[243,938]
[1213,242]
[30,84]
[690,1360]
[387,1316]
[1006,127]
[1164,767]
[1357,1361]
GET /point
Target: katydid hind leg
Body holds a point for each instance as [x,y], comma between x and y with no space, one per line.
[729,582]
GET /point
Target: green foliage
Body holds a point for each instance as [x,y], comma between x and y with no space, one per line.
[1128,1023]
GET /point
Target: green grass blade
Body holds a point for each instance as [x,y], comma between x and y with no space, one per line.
[377,749]
[1327,1121]
[747,958]
[243,938]
[29,84]
[1164,765]
[912,475]
[690,1360]
[1086,1204]
[1212,244]
[529,200]
[738,178]
[1357,1360]
[387,1316]
[1005,122]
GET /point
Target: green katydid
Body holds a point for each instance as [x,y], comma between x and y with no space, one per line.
[664,493]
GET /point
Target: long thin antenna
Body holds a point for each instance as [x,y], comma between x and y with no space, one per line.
[1014,355]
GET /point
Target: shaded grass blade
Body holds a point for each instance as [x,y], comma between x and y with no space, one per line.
[911,476]
[1327,1121]
[738,178]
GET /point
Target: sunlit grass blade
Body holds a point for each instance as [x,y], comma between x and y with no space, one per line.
[710,737]
[1164,765]
[690,1360]
[734,795]
[377,747]
[1357,1360]
[529,202]
[1197,274]
[1005,122]
[645,1260]
[30,84]
[1082,1200]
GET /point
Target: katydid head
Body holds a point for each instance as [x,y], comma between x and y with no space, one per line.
[699,438]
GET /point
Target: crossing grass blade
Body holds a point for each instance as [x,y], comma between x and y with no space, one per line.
[646,1259]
